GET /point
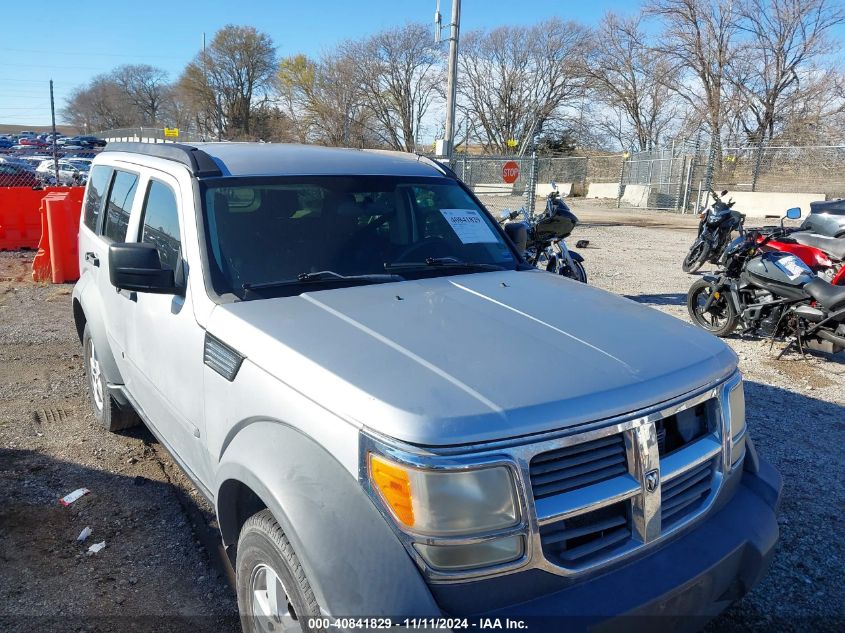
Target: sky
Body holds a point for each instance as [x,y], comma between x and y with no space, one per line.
[71,42]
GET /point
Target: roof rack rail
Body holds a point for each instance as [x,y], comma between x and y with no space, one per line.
[201,164]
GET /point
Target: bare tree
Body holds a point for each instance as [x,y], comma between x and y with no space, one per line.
[400,78]
[699,37]
[515,81]
[99,105]
[145,88]
[785,39]
[630,80]
[231,76]
[324,99]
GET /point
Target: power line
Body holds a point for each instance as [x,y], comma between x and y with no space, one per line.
[98,54]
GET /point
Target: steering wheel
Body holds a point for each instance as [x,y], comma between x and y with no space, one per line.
[433,242]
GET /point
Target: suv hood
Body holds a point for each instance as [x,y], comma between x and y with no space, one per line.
[473,358]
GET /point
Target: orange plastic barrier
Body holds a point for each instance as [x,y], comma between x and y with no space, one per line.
[58,252]
[20,221]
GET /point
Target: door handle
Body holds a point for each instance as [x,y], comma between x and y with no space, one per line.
[92,258]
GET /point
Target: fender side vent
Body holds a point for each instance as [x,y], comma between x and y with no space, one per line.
[221,358]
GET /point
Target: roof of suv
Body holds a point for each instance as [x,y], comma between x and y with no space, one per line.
[281,159]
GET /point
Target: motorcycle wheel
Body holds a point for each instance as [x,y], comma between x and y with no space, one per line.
[577,272]
[720,319]
[698,254]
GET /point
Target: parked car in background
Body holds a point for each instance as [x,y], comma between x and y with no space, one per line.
[69,174]
[6,143]
[826,218]
[33,160]
[32,142]
[12,175]
[92,141]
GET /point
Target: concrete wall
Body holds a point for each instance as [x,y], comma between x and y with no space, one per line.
[544,189]
[493,189]
[635,196]
[759,204]
[603,190]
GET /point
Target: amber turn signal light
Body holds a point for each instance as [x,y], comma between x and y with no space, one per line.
[395,488]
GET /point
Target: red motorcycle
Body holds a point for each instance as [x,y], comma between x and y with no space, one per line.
[825,255]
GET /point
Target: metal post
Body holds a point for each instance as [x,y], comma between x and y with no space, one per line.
[711,162]
[531,188]
[757,163]
[452,85]
[55,150]
[621,178]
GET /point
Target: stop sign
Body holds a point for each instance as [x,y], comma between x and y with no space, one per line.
[510,171]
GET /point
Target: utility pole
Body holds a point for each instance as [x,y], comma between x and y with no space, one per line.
[55,151]
[452,82]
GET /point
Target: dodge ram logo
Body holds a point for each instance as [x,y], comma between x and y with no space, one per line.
[652,479]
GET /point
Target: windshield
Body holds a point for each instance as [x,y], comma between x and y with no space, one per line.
[285,235]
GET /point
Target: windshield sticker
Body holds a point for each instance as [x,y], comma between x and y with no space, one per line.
[469,226]
[792,266]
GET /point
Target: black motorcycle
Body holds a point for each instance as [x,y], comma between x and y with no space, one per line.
[714,232]
[541,238]
[770,293]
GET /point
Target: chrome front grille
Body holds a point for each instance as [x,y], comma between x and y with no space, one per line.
[684,494]
[578,539]
[573,467]
[612,491]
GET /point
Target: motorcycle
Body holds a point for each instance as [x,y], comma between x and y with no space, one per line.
[541,238]
[771,293]
[824,255]
[714,232]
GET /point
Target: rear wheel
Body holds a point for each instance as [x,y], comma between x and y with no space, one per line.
[719,318]
[105,409]
[698,254]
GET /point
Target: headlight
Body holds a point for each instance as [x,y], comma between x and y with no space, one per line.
[446,503]
[736,403]
[452,505]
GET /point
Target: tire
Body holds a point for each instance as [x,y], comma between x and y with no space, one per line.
[722,320]
[576,272]
[699,252]
[110,416]
[265,554]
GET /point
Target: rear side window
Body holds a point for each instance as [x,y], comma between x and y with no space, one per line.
[97,185]
[161,224]
[119,205]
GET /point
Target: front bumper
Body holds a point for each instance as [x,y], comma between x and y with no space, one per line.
[677,587]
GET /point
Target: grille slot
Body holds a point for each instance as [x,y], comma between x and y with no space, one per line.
[681,429]
[583,538]
[573,467]
[683,495]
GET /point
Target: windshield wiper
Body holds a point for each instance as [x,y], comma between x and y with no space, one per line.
[442,262]
[324,276]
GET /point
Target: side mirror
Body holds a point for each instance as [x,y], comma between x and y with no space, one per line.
[137,266]
[724,193]
[794,213]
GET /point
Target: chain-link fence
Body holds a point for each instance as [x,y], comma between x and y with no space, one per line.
[37,168]
[780,168]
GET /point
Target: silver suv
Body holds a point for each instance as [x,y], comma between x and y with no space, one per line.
[336,346]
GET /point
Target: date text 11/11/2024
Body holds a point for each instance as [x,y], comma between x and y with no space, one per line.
[429,624]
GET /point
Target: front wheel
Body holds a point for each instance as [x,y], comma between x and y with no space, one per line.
[273,592]
[719,318]
[576,272]
[699,252]
[110,416]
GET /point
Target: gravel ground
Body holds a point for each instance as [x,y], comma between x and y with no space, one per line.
[161,568]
